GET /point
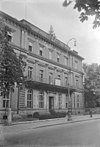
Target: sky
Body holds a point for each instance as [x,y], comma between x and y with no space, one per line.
[64,20]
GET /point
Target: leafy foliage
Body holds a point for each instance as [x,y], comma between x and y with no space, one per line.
[90,98]
[11,65]
[92,82]
[87,8]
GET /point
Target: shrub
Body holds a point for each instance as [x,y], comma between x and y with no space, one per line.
[4,117]
[29,115]
[36,115]
[52,115]
[52,112]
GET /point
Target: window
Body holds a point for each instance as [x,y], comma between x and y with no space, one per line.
[30,46]
[41,75]
[41,50]
[30,72]
[66,81]
[29,99]
[59,101]
[76,64]
[50,78]
[58,57]
[59,76]
[77,82]
[78,101]
[58,80]
[50,54]
[10,36]
[41,100]
[5,101]
[66,61]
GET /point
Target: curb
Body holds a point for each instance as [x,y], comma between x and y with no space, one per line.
[67,122]
[48,120]
[35,121]
[48,125]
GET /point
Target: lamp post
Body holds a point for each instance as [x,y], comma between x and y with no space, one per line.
[69,100]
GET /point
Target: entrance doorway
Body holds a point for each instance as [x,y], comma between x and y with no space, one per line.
[51,103]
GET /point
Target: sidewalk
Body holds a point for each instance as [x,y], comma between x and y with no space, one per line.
[21,127]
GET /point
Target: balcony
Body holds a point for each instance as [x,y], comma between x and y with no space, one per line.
[50,85]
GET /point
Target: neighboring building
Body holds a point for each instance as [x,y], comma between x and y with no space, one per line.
[52,70]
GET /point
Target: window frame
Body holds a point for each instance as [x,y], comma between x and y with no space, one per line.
[66,61]
[50,78]
[29,98]
[58,57]
[30,45]
[41,48]
[41,74]
[6,101]
[10,36]
[50,54]
[30,72]
[76,64]
[41,100]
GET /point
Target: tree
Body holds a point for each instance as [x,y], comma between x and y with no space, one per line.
[92,82]
[86,8]
[89,95]
[11,65]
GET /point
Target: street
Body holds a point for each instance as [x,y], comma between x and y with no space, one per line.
[76,134]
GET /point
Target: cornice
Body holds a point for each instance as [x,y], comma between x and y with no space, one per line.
[40,34]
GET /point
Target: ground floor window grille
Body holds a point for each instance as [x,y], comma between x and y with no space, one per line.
[60,101]
[41,99]
[5,101]
[29,99]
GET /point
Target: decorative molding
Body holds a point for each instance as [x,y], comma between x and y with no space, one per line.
[40,34]
[31,61]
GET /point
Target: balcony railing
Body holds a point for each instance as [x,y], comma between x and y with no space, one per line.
[54,82]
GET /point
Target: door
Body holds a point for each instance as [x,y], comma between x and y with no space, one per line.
[51,103]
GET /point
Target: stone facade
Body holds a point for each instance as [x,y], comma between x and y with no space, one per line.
[52,70]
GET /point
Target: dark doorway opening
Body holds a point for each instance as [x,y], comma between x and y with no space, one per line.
[51,103]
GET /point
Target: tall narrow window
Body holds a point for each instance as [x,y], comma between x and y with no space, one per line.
[59,76]
[50,78]
[41,99]
[76,64]
[58,57]
[41,50]
[5,101]
[58,80]
[60,101]
[29,99]
[66,81]
[50,54]
[77,82]
[30,46]
[41,75]
[30,72]
[66,61]
[10,36]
